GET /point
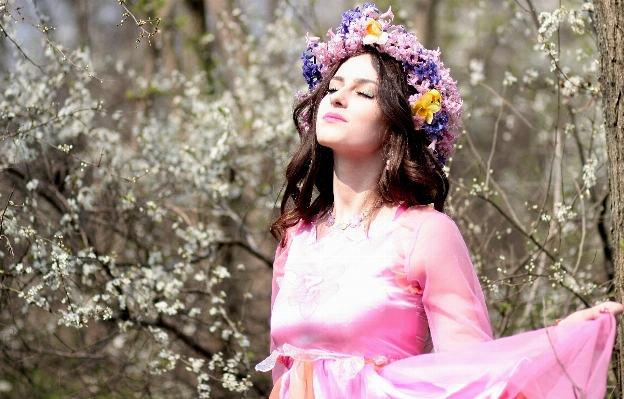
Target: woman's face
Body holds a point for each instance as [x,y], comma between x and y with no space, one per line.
[349,119]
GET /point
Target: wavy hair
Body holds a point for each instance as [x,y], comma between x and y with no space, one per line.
[413,176]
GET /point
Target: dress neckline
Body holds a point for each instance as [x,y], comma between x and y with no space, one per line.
[358,234]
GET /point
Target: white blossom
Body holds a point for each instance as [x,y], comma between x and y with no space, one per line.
[476,71]
[509,79]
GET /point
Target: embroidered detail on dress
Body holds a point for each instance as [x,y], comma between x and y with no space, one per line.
[311,285]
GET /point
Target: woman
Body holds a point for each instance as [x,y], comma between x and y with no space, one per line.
[370,274]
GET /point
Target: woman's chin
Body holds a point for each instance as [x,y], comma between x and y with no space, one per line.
[328,140]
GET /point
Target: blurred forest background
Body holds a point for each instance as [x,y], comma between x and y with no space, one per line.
[142,150]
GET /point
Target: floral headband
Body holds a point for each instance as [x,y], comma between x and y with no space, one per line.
[436,106]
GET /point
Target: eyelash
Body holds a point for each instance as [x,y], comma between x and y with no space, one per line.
[365,93]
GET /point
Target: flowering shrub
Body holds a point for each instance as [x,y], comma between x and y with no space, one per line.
[530,182]
[130,238]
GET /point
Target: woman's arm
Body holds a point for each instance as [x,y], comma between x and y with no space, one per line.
[593,313]
[281,255]
[439,263]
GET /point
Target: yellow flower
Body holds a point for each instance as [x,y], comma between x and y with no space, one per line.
[374,34]
[428,105]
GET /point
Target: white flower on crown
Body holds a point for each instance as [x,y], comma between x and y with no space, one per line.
[374,33]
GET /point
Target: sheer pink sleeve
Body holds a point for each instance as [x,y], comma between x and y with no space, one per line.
[281,254]
[439,265]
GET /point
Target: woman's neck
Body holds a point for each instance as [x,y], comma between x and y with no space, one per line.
[354,186]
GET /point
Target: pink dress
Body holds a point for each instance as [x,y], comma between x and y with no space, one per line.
[355,315]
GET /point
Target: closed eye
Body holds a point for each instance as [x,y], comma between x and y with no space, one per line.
[366,93]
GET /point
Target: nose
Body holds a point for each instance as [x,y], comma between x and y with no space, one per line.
[338,98]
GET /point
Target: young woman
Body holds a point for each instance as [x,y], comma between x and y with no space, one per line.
[369,274]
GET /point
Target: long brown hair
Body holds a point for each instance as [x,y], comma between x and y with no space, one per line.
[414,176]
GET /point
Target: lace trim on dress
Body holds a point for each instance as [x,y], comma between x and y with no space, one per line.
[344,366]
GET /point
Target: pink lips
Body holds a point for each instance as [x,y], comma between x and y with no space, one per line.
[333,117]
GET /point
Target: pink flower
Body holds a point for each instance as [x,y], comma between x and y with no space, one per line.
[387,15]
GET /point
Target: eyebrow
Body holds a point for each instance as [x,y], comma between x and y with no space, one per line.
[357,80]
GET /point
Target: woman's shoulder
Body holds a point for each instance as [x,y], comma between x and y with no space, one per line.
[419,217]
[301,227]
[291,234]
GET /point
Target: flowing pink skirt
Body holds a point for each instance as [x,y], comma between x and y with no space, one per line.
[568,361]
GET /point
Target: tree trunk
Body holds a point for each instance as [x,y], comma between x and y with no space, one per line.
[194,53]
[272,8]
[424,20]
[610,31]
[215,10]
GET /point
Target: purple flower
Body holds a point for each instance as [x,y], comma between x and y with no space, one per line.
[409,67]
[437,127]
[347,19]
[311,71]
[427,69]
[351,16]
[371,6]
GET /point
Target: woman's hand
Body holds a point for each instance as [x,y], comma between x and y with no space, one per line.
[594,312]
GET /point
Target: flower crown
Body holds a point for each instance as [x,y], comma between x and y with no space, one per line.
[436,105]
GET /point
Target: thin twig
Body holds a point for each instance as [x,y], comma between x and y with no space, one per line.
[2,235]
[140,23]
[493,148]
[68,355]
[21,50]
[560,363]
